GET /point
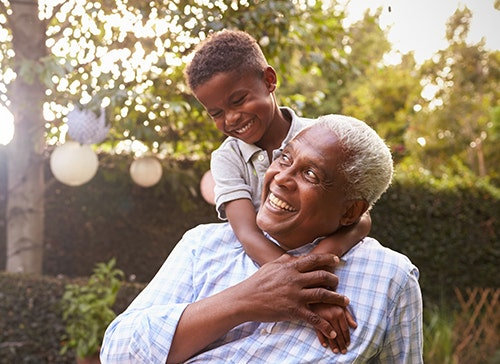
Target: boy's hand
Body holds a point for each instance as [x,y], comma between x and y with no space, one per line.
[340,319]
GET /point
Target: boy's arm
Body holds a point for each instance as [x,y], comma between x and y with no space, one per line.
[345,238]
[241,215]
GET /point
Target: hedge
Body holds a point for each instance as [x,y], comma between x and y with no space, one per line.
[448,229]
[31,325]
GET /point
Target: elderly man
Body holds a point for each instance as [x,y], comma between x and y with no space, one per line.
[211,303]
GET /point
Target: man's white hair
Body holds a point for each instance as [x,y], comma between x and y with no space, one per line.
[367,162]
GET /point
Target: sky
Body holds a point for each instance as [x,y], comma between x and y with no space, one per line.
[417,25]
[420,25]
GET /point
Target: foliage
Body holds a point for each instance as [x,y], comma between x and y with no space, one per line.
[31,324]
[135,67]
[448,228]
[438,336]
[87,309]
[459,119]
[30,319]
[112,217]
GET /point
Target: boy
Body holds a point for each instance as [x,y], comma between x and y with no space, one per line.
[230,76]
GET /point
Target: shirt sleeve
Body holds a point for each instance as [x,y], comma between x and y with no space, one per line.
[229,172]
[143,333]
[404,339]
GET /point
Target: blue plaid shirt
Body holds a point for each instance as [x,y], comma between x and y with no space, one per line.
[382,286]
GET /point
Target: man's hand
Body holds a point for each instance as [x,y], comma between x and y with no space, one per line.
[340,319]
[285,289]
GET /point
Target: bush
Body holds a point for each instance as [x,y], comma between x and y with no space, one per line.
[87,309]
[31,324]
[448,228]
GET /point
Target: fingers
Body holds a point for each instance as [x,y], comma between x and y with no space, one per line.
[323,340]
[316,261]
[338,317]
[350,319]
[323,295]
[319,278]
[344,337]
[319,323]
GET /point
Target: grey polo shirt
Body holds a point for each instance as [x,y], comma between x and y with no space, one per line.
[238,168]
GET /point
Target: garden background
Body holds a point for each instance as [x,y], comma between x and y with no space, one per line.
[441,119]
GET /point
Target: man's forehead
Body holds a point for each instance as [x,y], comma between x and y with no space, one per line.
[319,144]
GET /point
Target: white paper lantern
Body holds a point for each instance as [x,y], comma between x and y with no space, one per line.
[86,127]
[73,163]
[146,171]
[207,185]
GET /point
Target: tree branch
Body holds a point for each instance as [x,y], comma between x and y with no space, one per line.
[58,7]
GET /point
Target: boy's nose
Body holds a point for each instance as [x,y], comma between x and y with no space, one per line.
[232,117]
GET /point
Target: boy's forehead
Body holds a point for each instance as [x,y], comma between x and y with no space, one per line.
[224,84]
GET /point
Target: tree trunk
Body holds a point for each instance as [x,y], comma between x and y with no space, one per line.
[25,201]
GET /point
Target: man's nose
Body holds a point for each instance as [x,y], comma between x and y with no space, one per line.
[286,178]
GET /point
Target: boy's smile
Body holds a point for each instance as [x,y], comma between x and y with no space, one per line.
[243,106]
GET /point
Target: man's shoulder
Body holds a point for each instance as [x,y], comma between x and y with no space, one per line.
[209,236]
[387,261]
[216,228]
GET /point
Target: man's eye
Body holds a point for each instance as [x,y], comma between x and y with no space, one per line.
[285,159]
[215,115]
[311,176]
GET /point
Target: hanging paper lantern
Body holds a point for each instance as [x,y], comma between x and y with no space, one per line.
[207,185]
[86,127]
[146,171]
[73,163]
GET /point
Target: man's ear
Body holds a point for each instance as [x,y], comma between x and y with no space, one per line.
[270,78]
[354,210]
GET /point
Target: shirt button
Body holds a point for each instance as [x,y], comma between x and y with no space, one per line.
[261,158]
[263,332]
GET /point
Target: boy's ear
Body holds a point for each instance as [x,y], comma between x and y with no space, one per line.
[270,78]
[353,212]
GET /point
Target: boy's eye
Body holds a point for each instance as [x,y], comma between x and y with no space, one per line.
[215,115]
[239,100]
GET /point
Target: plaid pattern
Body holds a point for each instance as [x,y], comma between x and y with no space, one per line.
[380,283]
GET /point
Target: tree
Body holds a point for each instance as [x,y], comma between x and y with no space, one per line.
[25,208]
[382,95]
[127,56]
[456,124]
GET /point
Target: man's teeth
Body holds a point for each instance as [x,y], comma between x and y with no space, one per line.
[276,202]
[245,128]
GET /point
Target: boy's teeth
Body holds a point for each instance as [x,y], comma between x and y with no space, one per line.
[275,201]
[245,128]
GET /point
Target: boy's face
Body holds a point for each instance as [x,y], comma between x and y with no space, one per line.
[241,104]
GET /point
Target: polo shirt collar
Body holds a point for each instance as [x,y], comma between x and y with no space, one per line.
[248,150]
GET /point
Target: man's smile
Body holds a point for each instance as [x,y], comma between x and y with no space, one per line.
[280,204]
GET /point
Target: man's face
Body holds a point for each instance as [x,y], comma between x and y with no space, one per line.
[241,105]
[302,195]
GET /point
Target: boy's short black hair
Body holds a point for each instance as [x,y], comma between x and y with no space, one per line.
[224,51]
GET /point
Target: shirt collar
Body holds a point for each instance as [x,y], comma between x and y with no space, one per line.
[248,150]
[306,249]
